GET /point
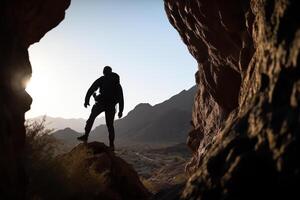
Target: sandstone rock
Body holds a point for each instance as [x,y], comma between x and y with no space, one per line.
[251,153]
[217,35]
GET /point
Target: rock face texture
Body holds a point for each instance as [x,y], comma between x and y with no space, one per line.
[22,23]
[218,35]
[246,114]
[113,178]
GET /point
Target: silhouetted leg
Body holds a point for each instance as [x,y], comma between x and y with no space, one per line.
[96,110]
[109,118]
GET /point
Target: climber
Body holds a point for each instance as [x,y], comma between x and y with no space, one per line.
[110,94]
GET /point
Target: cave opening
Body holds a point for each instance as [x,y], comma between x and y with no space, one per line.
[135,39]
[260,141]
[138,42]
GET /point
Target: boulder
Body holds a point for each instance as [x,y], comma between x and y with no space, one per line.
[95,172]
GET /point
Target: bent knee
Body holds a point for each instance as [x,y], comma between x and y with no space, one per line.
[110,126]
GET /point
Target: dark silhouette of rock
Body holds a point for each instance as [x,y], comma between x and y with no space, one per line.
[172,193]
[247,107]
[121,180]
[22,23]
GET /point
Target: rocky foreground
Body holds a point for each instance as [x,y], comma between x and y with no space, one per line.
[111,177]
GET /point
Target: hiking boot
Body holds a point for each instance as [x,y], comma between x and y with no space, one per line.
[83,138]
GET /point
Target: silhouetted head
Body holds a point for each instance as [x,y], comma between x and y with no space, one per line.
[107,70]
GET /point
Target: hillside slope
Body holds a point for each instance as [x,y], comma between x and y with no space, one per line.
[152,124]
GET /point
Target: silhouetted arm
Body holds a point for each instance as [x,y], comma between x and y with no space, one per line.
[121,99]
[90,91]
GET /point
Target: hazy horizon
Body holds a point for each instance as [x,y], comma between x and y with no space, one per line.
[134,37]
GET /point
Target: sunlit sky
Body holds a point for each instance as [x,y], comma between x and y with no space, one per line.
[134,37]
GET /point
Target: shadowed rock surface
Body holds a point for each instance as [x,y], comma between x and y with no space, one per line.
[22,23]
[218,35]
[116,179]
[246,114]
[172,193]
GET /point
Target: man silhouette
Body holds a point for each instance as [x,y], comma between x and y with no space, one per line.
[111,93]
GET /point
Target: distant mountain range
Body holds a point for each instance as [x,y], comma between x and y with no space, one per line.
[164,123]
[167,122]
[57,123]
[68,137]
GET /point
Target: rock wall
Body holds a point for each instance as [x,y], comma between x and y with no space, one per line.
[218,35]
[22,23]
[246,114]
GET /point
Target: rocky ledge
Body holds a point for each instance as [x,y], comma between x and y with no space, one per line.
[110,176]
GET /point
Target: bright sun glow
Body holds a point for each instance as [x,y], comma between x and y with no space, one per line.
[37,88]
[32,86]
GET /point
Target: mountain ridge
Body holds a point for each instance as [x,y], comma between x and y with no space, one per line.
[147,123]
